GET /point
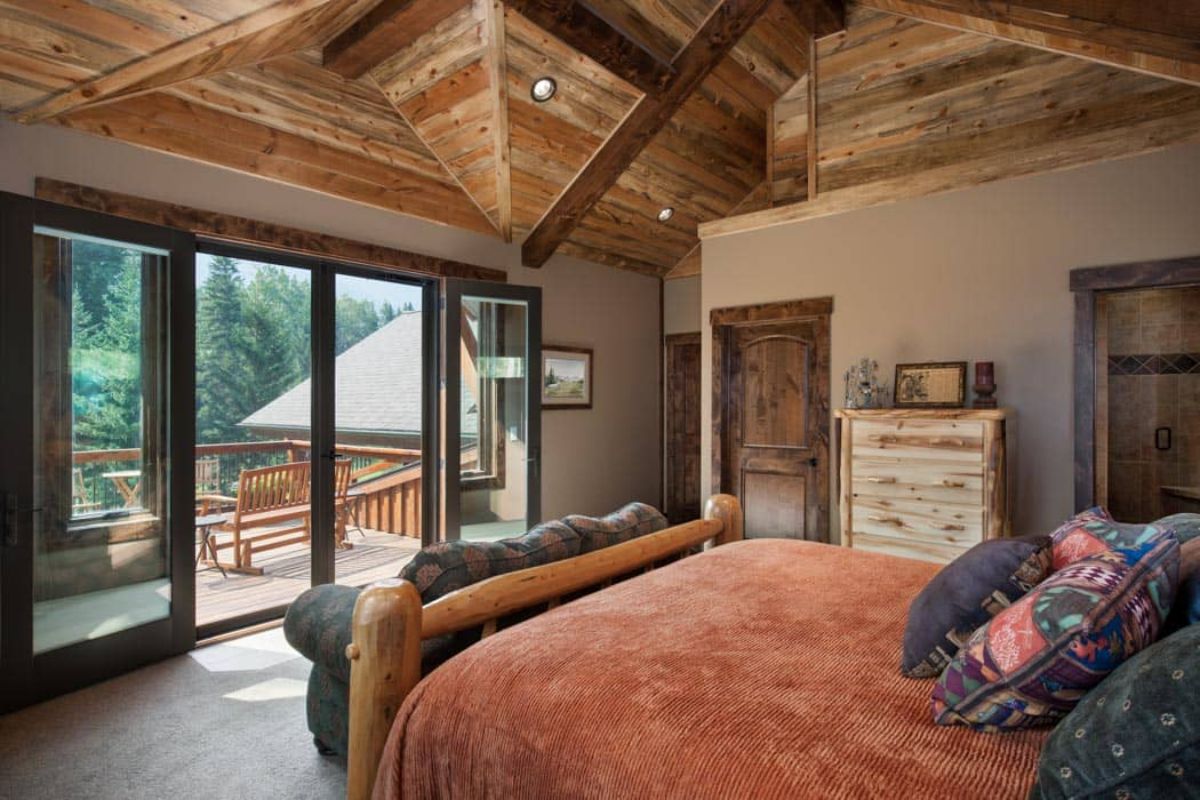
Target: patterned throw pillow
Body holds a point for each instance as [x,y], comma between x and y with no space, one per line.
[630,522]
[1073,541]
[1137,735]
[442,568]
[968,592]
[1033,661]
[1186,526]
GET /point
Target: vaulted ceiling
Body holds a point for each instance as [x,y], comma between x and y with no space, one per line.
[424,107]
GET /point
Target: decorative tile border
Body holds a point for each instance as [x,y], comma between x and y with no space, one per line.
[1161,364]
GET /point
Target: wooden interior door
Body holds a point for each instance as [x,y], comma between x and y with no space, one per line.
[683,428]
[772,432]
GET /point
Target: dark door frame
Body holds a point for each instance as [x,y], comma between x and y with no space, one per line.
[1086,284]
[29,677]
[723,322]
[451,495]
[669,341]
[323,322]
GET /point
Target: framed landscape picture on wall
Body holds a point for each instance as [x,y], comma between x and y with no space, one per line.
[566,377]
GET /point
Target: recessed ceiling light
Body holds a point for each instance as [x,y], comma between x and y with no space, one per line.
[543,89]
[666,214]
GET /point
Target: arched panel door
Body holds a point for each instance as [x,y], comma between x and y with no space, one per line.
[774,397]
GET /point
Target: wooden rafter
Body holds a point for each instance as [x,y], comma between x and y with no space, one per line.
[239,42]
[498,76]
[1160,39]
[582,28]
[388,27]
[716,37]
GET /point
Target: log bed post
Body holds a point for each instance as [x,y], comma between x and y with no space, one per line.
[390,622]
[385,657]
[726,509]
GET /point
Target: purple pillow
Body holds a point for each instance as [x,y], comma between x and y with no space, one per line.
[968,592]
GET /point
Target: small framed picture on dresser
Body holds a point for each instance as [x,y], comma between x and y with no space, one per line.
[940,384]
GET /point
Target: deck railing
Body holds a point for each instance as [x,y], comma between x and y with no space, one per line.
[389,478]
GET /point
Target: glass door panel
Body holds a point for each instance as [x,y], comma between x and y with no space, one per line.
[380,425]
[100,542]
[96,348]
[253,458]
[493,420]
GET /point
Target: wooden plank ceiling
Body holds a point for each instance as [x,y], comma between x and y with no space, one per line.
[423,107]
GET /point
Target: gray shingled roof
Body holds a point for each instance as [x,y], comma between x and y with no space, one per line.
[378,385]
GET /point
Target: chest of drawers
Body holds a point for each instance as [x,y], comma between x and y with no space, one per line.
[923,484]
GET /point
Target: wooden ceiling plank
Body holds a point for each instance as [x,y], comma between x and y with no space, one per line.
[711,43]
[586,31]
[143,71]
[390,26]
[1149,51]
[169,124]
[501,149]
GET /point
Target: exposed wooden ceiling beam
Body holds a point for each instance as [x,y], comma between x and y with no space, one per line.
[390,26]
[215,49]
[820,19]
[714,40]
[1160,39]
[576,24]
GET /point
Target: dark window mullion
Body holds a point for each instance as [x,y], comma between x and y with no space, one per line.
[324,438]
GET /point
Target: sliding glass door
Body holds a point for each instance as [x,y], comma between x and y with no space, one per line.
[313,428]
[95,567]
[492,358]
[192,439]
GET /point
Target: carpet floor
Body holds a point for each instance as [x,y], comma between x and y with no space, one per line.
[224,721]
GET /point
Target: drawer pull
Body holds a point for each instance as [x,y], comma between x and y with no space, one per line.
[954,484]
[888,520]
[881,480]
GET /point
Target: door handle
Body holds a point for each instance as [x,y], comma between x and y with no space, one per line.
[8,522]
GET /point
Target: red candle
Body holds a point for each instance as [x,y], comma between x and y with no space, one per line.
[985,373]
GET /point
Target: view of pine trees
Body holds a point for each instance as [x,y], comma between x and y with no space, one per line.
[253,338]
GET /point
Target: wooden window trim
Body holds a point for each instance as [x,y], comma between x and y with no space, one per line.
[231,229]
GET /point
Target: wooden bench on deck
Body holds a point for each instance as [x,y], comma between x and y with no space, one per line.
[269,498]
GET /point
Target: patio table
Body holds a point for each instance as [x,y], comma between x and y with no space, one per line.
[120,479]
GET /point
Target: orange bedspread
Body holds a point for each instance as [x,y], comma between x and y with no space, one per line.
[761,669]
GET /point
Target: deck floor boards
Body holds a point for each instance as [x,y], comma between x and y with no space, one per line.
[375,555]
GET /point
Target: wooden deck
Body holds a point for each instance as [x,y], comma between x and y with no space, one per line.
[375,555]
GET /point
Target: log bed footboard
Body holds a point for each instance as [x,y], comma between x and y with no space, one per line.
[390,622]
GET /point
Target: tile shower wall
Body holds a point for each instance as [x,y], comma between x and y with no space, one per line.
[1153,343]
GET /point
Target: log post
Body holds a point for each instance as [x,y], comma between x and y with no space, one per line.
[385,655]
[726,509]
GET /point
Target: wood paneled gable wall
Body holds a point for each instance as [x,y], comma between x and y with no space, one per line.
[736,114]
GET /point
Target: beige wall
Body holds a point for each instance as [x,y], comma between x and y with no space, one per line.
[593,461]
[978,274]
[681,305]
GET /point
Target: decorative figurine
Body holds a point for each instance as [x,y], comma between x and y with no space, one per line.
[862,386]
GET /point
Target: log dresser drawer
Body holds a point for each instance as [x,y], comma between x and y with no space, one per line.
[923,484]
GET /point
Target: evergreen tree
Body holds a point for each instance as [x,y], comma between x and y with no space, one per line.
[387,312]
[356,320]
[269,357]
[108,366]
[222,376]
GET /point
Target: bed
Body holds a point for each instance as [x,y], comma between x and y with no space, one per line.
[761,668]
